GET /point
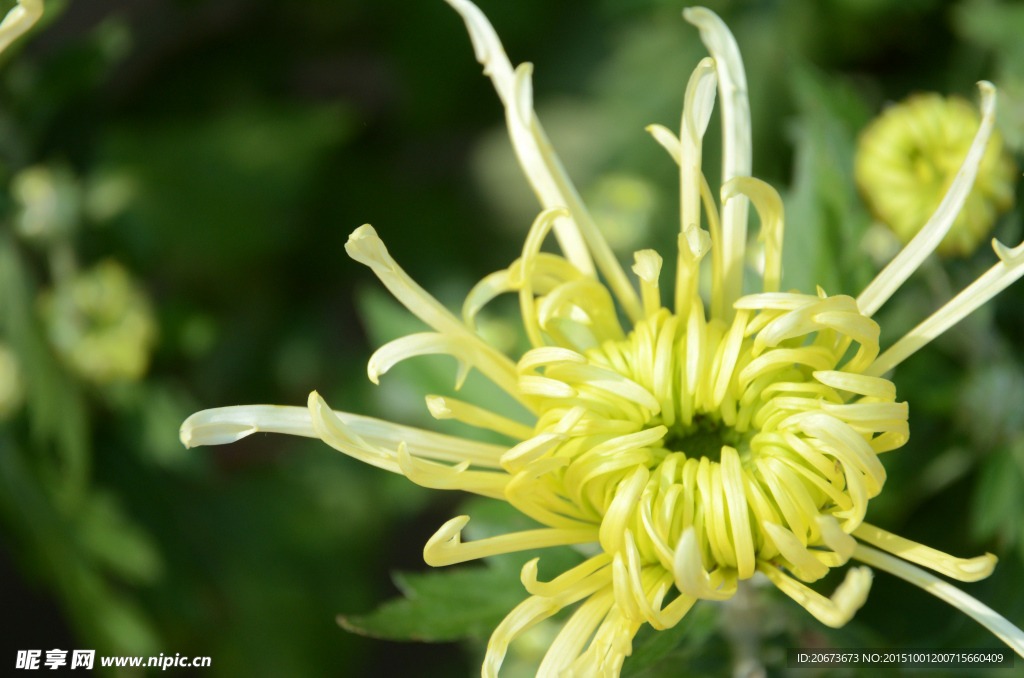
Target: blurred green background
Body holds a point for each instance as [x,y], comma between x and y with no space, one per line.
[180,179]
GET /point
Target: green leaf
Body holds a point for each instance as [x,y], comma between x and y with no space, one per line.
[116,541]
[661,653]
[222,189]
[825,220]
[442,605]
[999,496]
[56,407]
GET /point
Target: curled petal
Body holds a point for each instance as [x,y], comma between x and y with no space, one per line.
[805,565]
[367,248]
[620,512]
[668,140]
[333,431]
[848,597]
[564,581]
[964,569]
[533,610]
[835,538]
[446,546]
[690,576]
[769,209]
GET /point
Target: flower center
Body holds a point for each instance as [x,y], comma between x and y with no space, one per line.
[704,437]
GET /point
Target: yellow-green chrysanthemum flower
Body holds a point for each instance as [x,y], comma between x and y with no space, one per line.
[908,158]
[694,448]
[101,323]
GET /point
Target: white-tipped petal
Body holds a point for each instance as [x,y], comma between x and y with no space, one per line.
[932,233]
[668,141]
[228,424]
[18,20]
[516,94]
[769,209]
[542,167]
[697,106]
[736,145]
[223,425]
[648,269]
[486,47]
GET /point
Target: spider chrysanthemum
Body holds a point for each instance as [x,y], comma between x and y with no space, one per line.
[696,447]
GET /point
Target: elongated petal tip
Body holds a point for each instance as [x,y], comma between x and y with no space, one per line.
[851,595]
[443,541]
[200,429]
[523,102]
[1008,255]
[366,247]
[222,425]
[485,41]
[695,240]
[18,20]
[475,21]
[438,407]
[648,266]
[976,569]
[696,15]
